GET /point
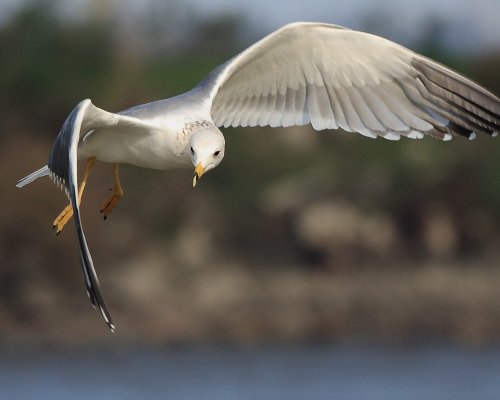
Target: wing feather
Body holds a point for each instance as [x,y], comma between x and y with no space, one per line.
[289,111]
[338,112]
[233,107]
[251,120]
[269,109]
[261,111]
[319,107]
[365,113]
[62,167]
[279,109]
[381,111]
[301,112]
[351,114]
[335,77]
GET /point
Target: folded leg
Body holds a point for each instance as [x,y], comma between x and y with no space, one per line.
[115,196]
[65,215]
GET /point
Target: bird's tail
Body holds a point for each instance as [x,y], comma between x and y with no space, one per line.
[44,171]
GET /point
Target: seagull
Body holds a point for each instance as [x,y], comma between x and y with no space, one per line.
[326,75]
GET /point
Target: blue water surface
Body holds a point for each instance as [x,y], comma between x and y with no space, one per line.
[264,373]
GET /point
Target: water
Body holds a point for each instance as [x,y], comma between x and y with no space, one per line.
[268,373]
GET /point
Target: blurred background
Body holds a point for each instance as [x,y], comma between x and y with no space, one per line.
[307,265]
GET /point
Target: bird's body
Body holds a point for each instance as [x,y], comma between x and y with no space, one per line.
[303,73]
[160,142]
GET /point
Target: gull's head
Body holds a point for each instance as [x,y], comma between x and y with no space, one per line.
[206,147]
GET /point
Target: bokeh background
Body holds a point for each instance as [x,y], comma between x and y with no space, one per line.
[318,250]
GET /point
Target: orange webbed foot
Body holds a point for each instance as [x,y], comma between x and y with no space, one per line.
[111,202]
[62,219]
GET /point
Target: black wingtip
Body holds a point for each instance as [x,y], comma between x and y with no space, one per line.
[107,317]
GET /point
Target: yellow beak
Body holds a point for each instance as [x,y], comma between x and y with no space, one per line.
[198,172]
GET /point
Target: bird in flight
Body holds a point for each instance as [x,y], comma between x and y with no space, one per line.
[326,75]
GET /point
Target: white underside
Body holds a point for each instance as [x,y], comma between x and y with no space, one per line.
[156,149]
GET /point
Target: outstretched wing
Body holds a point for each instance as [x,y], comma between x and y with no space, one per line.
[62,166]
[335,77]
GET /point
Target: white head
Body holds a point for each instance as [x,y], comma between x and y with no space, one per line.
[206,147]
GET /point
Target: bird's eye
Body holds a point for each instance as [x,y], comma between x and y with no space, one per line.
[192,150]
[217,153]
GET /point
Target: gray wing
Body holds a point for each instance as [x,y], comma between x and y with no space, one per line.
[62,165]
[334,78]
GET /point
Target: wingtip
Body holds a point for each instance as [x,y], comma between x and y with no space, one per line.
[107,318]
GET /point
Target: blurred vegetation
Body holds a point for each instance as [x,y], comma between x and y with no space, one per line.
[297,235]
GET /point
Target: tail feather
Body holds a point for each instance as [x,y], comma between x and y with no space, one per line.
[44,171]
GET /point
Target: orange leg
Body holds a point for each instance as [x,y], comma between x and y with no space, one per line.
[65,215]
[115,197]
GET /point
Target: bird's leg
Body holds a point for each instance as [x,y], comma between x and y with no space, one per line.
[115,197]
[67,213]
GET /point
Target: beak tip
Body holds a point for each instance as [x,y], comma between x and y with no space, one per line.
[198,172]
